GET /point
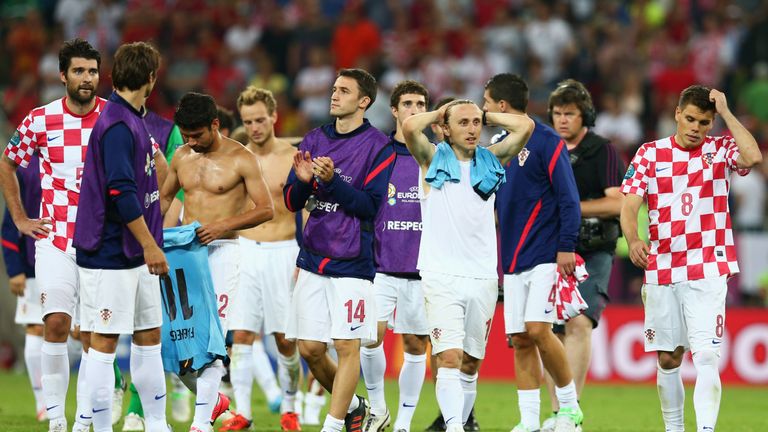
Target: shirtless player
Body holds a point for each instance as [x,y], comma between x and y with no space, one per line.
[223,190]
[266,284]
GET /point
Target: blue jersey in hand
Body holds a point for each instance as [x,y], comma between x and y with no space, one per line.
[191,334]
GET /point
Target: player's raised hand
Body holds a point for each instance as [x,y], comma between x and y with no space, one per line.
[155,259]
[638,253]
[566,263]
[322,167]
[35,228]
[17,284]
[718,97]
[302,166]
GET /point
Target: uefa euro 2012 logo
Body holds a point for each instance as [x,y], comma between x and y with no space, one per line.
[391,192]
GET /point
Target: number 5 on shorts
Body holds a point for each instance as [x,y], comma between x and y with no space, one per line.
[359,313]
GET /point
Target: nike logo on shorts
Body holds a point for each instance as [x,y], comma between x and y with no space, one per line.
[158,397]
[547,311]
[716,342]
[353,328]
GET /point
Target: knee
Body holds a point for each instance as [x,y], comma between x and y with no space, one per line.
[243,337]
[539,331]
[347,347]
[57,327]
[579,327]
[470,365]
[449,359]
[521,342]
[705,358]
[312,352]
[670,360]
[285,346]
[415,345]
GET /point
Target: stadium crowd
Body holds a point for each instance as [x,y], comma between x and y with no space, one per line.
[635,57]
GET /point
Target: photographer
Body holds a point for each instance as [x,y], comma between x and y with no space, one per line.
[598,171]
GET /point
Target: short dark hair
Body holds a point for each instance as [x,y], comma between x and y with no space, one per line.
[77,48]
[508,87]
[226,118]
[698,96]
[444,101]
[569,92]
[135,63]
[195,111]
[408,87]
[365,82]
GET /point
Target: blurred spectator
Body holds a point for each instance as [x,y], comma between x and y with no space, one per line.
[706,52]
[186,72]
[313,30]
[224,81]
[749,198]
[50,81]
[241,39]
[267,77]
[102,35]
[503,37]
[70,13]
[754,97]
[312,87]
[25,44]
[550,40]
[20,99]
[355,36]
[621,127]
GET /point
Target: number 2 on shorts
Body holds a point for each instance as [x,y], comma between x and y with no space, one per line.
[359,313]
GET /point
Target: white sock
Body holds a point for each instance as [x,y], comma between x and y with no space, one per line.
[672,397]
[263,372]
[529,402]
[353,404]
[54,364]
[241,377]
[373,363]
[33,346]
[450,395]
[708,390]
[84,413]
[289,373]
[149,379]
[100,375]
[332,424]
[207,393]
[469,385]
[566,396]
[410,382]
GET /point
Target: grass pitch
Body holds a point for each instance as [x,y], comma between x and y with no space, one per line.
[606,407]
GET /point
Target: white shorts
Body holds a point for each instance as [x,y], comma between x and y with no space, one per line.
[266,285]
[459,311]
[57,280]
[120,301]
[325,308]
[529,297]
[28,309]
[687,314]
[224,262]
[400,302]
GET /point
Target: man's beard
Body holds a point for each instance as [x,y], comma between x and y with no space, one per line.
[74,94]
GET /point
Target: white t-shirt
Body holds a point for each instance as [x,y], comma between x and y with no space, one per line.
[459,231]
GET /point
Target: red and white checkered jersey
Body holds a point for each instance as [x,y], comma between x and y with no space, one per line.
[687,195]
[61,139]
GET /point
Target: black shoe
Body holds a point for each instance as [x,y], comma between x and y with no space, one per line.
[471,425]
[438,425]
[354,421]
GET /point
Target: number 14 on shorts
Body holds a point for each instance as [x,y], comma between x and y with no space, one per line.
[355,312]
